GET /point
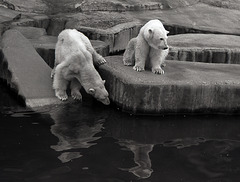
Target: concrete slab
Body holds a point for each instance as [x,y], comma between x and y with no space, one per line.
[31,32]
[210,48]
[25,71]
[184,88]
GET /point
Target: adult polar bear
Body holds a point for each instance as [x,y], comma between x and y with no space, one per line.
[150,45]
[74,61]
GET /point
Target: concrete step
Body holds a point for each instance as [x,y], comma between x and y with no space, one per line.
[185,87]
[209,48]
[25,71]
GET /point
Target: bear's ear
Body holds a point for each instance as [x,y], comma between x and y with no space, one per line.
[167,32]
[150,30]
[91,91]
[104,81]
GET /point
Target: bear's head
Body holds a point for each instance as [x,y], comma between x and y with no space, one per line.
[157,38]
[100,93]
[155,34]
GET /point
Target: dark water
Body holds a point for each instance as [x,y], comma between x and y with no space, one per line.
[90,142]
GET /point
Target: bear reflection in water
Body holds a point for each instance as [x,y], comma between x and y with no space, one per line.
[75,137]
[107,137]
[75,127]
[78,130]
[141,158]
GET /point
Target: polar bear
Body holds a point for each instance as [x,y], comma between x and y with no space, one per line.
[148,49]
[74,62]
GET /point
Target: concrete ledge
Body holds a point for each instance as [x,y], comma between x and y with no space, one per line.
[117,36]
[184,88]
[210,48]
[25,71]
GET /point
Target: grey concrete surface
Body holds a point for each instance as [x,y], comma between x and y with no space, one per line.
[185,87]
[27,72]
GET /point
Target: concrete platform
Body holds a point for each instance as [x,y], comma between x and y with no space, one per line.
[184,88]
[209,48]
[25,71]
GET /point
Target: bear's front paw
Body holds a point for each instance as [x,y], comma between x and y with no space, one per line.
[101,61]
[158,71]
[76,95]
[138,68]
[61,94]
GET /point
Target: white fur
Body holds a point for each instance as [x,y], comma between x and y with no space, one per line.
[151,43]
[74,59]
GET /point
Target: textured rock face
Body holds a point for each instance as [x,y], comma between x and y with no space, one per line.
[119,24]
[50,6]
[185,87]
[209,48]
[230,4]
[195,19]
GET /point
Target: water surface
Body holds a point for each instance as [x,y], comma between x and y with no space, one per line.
[92,142]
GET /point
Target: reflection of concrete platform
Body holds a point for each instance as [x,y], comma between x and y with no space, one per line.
[185,87]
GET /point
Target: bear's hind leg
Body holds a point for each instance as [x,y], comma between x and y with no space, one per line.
[129,53]
[141,54]
[75,89]
[60,85]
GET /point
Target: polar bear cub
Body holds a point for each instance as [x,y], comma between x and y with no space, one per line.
[148,49]
[74,62]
